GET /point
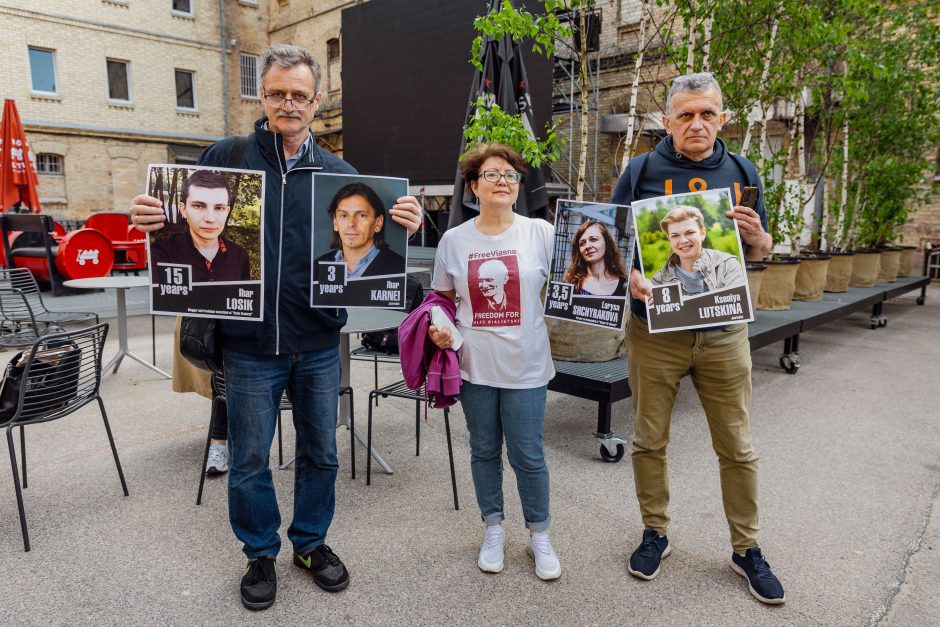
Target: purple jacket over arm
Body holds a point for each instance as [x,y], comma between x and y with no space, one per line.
[422,361]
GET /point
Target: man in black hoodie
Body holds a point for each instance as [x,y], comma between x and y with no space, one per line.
[690,159]
[295,347]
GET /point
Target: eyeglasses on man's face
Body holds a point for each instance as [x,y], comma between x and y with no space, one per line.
[278,98]
[493,176]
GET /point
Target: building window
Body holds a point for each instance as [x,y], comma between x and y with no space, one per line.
[42,71]
[183,6]
[119,80]
[47,163]
[333,65]
[249,75]
[186,90]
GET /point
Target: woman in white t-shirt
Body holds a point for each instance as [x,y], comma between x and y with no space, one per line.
[494,267]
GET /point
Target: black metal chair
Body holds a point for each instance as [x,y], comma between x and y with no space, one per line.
[42,225]
[18,324]
[23,280]
[376,357]
[62,374]
[218,396]
[400,389]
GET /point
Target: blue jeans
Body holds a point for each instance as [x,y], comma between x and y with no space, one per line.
[254,384]
[519,415]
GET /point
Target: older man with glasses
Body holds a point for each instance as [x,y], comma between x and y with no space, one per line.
[692,158]
[295,347]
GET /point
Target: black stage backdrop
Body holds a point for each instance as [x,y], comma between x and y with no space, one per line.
[406,76]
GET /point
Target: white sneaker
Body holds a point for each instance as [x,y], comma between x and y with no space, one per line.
[491,553]
[539,548]
[217,464]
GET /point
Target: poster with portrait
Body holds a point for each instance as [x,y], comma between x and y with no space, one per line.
[691,253]
[360,255]
[207,259]
[590,275]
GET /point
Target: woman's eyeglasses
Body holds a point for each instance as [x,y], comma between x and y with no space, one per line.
[493,176]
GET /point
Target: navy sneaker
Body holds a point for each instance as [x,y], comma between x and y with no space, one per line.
[328,570]
[645,561]
[761,581]
[259,583]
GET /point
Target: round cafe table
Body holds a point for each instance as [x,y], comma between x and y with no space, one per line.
[119,284]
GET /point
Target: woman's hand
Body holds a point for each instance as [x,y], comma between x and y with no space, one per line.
[147,213]
[441,337]
[407,212]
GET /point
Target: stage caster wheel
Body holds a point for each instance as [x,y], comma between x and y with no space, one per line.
[790,363]
[612,459]
[920,300]
[883,322]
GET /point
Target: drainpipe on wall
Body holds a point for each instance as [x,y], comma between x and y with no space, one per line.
[223,41]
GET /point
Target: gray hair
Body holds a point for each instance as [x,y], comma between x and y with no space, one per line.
[287,56]
[697,83]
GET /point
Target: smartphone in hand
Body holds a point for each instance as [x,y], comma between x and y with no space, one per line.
[749,197]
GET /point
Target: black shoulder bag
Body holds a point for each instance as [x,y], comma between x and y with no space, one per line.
[200,341]
[53,380]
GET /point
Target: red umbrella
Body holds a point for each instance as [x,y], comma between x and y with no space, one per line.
[18,180]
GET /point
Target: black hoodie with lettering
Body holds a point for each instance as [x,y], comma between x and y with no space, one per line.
[664,172]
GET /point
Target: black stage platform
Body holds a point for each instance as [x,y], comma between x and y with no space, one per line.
[607,382]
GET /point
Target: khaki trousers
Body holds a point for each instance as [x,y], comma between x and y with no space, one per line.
[720,366]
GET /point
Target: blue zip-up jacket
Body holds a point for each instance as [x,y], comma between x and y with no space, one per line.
[289,325]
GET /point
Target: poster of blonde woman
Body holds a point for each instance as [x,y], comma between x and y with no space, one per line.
[691,254]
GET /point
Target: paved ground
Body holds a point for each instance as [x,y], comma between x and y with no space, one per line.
[850,501]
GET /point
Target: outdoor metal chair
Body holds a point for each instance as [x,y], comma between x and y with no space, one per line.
[43,254]
[218,396]
[376,357]
[23,280]
[400,389]
[62,374]
[18,325]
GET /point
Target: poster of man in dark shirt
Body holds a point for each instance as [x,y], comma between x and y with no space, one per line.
[207,261]
[360,256]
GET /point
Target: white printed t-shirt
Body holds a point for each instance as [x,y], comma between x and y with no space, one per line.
[498,280]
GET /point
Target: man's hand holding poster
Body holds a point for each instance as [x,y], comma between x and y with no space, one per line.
[691,255]
[207,259]
[590,264]
[359,253]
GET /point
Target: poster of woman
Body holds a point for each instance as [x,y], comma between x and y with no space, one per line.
[590,263]
[359,252]
[690,252]
[207,259]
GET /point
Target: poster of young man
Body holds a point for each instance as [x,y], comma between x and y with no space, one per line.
[206,261]
[690,251]
[590,275]
[359,253]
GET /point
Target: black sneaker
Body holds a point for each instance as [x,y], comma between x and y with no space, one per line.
[762,583]
[259,583]
[644,563]
[327,569]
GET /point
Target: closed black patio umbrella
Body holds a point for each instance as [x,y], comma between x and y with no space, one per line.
[503,81]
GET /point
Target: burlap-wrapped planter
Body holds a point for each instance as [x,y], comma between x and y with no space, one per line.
[811,277]
[755,276]
[906,263]
[776,288]
[865,267]
[890,265]
[572,341]
[839,272]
